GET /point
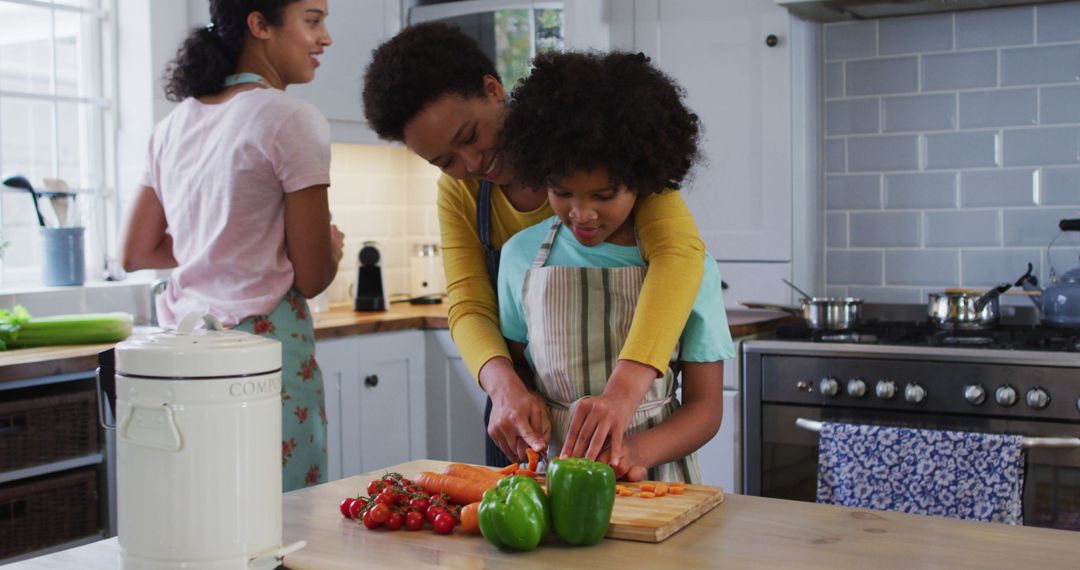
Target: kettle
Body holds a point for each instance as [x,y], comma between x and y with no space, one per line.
[198,452]
[1059,303]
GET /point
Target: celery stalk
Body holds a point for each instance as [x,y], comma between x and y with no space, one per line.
[19,330]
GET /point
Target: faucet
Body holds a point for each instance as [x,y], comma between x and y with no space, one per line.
[156,288]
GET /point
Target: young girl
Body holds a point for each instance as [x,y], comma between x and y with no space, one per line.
[598,133]
[433,88]
[233,198]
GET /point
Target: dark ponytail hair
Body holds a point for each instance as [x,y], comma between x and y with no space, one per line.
[210,54]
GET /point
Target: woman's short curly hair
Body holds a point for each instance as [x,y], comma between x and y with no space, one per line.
[582,110]
[416,67]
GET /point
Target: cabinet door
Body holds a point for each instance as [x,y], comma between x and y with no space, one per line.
[721,457]
[741,193]
[356,27]
[335,357]
[456,404]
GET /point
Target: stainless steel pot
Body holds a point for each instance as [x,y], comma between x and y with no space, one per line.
[822,313]
[962,309]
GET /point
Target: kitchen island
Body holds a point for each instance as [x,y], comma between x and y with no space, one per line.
[743,532]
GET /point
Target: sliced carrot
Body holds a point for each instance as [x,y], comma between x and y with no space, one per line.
[647,494]
[648,487]
[676,490]
[534,458]
[661,489]
[626,493]
[461,491]
[509,469]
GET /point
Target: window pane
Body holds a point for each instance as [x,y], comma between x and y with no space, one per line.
[80,3]
[25,57]
[73,54]
[549,30]
[513,48]
[26,135]
[72,145]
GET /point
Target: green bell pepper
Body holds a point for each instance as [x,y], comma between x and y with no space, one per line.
[582,494]
[515,513]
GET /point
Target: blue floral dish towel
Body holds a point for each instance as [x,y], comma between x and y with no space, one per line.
[973,476]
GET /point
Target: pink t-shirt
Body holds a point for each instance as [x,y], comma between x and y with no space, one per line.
[221,172]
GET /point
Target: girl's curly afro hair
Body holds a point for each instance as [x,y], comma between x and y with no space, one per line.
[416,67]
[582,110]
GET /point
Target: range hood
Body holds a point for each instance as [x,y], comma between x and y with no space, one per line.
[838,10]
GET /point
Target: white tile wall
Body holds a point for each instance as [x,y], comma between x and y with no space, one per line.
[385,194]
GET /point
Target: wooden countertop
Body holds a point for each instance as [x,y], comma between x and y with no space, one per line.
[339,321]
[743,532]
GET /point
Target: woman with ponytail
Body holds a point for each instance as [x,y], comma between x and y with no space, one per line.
[233,198]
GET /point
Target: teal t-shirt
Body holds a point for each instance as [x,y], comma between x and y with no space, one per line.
[706,337]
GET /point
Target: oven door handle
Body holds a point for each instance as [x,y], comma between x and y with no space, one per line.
[1026,442]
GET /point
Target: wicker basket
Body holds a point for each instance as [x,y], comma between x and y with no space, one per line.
[42,512]
[47,428]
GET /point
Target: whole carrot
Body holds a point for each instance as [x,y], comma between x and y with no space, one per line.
[461,491]
[489,477]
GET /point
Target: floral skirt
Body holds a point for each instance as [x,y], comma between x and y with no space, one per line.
[303,413]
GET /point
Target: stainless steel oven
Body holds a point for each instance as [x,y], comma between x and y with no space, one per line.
[1034,393]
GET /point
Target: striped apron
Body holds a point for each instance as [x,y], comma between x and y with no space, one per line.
[578,319]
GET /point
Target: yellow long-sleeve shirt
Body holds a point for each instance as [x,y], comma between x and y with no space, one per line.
[670,242]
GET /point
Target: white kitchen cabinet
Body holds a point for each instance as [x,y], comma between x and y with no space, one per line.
[720,458]
[455,404]
[356,27]
[741,88]
[375,400]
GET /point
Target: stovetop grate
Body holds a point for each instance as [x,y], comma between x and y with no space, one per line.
[1002,337]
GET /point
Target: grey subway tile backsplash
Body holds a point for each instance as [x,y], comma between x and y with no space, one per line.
[835,155]
[994,28]
[913,35]
[1049,64]
[834,80]
[853,192]
[988,188]
[961,150]
[855,267]
[999,108]
[920,112]
[963,228]
[881,76]
[836,229]
[852,116]
[966,70]
[886,294]
[1058,22]
[1042,146]
[1038,227]
[920,190]
[883,153]
[960,174]
[1059,105]
[885,229]
[983,268]
[1059,260]
[1060,186]
[921,267]
[848,41]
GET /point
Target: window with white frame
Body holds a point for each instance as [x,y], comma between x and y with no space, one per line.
[55,117]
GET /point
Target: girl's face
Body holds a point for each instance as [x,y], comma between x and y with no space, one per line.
[295,46]
[593,209]
[460,135]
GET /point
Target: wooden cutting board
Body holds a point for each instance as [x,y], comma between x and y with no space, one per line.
[653,520]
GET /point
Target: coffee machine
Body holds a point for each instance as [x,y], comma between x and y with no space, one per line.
[370,287]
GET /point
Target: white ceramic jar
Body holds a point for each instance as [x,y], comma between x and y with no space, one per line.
[198,449]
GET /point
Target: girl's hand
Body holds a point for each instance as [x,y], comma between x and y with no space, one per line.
[594,421]
[629,467]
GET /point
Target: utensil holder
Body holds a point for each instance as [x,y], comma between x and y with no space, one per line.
[64,257]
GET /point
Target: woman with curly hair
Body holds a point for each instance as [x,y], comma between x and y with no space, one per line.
[598,133]
[433,88]
[233,198]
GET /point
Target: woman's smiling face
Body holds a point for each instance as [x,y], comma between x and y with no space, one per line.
[460,135]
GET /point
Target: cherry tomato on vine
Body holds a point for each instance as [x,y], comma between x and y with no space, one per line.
[380,513]
[414,520]
[375,486]
[386,497]
[434,511]
[357,505]
[420,503]
[444,523]
[395,521]
[369,520]
[344,507]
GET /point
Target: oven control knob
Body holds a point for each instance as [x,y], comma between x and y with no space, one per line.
[856,387]
[975,394]
[885,389]
[914,393]
[829,387]
[1005,395]
[1038,398]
